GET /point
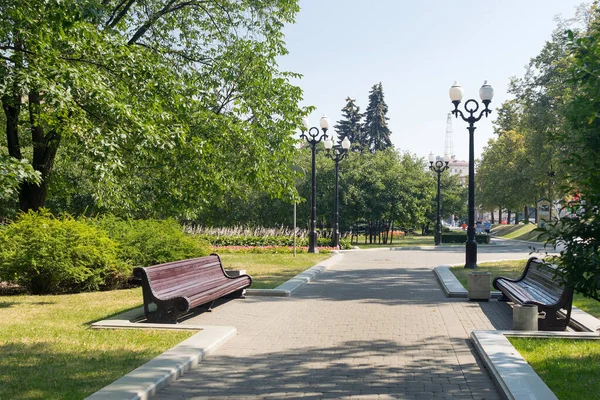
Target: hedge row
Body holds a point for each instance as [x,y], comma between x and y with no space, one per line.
[45,254]
[461,237]
[285,241]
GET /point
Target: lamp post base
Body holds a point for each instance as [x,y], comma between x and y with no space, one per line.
[471,253]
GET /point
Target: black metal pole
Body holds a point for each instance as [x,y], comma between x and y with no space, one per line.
[336,214]
[438,228]
[471,245]
[312,237]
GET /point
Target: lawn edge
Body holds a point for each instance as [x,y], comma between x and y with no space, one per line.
[513,376]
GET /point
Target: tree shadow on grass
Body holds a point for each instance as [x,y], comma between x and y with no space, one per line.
[42,371]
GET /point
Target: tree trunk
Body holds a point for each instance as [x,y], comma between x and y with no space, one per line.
[500,215]
[32,196]
[526,214]
[493,221]
[392,230]
[508,219]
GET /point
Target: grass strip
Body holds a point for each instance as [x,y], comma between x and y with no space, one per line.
[518,232]
[48,351]
[570,368]
[271,270]
[514,269]
[398,242]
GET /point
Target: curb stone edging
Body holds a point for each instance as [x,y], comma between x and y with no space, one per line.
[512,374]
[287,288]
[145,381]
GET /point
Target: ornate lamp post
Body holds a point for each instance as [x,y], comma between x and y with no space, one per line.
[337,153]
[471,106]
[438,167]
[312,137]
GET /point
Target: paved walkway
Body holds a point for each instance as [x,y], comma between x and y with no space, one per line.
[375,326]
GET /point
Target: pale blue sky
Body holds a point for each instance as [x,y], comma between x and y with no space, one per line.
[416,49]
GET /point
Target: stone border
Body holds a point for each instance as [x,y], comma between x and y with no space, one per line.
[513,376]
[145,381]
[287,288]
[580,320]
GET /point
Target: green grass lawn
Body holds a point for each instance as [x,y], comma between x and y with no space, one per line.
[518,232]
[513,269]
[407,241]
[271,270]
[48,351]
[570,368]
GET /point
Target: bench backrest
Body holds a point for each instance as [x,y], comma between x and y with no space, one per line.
[543,275]
[180,276]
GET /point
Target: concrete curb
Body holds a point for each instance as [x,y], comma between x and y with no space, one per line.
[451,286]
[513,376]
[287,288]
[145,381]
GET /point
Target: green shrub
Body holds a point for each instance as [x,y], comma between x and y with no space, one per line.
[58,255]
[262,241]
[150,242]
[461,237]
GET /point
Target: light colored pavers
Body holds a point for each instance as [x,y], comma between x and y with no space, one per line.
[376,325]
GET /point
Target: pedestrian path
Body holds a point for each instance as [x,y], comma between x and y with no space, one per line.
[374,326]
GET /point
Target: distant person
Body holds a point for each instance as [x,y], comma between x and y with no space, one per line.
[478,226]
[487,226]
[464,226]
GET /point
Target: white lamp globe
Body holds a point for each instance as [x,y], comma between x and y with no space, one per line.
[456,92]
[486,92]
[346,143]
[305,123]
[328,143]
[447,158]
[431,157]
[324,122]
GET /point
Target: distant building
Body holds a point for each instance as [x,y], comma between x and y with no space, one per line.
[459,167]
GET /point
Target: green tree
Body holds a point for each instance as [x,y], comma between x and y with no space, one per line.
[167,103]
[376,130]
[351,125]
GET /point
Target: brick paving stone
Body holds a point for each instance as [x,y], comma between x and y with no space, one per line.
[374,326]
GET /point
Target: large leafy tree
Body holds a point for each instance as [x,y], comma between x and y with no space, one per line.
[351,125]
[376,130]
[165,103]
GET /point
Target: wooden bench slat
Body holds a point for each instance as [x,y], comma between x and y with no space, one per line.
[178,286]
[538,285]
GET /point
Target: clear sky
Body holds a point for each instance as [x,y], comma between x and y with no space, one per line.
[416,48]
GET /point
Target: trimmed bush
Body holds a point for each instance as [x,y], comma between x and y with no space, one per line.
[461,237]
[58,255]
[151,242]
[261,241]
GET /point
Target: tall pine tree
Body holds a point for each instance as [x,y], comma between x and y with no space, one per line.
[351,125]
[376,131]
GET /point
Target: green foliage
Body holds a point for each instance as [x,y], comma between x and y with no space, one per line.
[150,242]
[262,241]
[164,107]
[461,237]
[12,173]
[58,255]
[376,131]
[351,126]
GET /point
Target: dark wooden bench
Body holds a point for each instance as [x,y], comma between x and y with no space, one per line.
[538,285]
[179,286]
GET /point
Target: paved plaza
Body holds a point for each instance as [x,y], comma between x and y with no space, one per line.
[374,326]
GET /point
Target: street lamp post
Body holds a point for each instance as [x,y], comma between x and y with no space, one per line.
[313,137]
[486,93]
[438,167]
[337,153]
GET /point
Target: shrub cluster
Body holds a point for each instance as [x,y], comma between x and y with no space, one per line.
[45,254]
[49,255]
[266,249]
[461,237]
[262,241]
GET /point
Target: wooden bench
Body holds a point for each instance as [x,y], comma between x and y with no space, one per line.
[179,286]
[538,286]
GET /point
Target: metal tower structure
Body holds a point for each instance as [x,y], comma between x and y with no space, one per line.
[449,144]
